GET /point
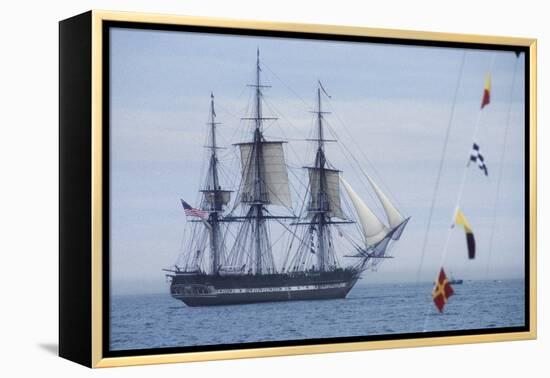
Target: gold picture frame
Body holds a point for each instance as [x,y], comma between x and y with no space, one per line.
[82,328]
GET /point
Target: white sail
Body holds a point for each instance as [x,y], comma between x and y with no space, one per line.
[332,190]
[394,217]
[272,170]
[373,229]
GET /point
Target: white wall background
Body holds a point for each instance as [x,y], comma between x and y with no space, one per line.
[28,210]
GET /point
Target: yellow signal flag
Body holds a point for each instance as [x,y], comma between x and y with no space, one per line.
[461,220]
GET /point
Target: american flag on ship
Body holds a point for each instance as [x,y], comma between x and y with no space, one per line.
[192,212]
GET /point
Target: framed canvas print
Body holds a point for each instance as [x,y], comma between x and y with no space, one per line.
[235,189]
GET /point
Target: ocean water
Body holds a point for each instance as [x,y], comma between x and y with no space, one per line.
[158,320]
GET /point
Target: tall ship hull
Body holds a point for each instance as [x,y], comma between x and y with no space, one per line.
[207,290]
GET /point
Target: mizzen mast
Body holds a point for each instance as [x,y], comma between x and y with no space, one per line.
[214,197]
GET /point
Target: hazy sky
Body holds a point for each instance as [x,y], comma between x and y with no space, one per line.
[390,108]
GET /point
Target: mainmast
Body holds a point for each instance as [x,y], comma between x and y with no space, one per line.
[257,209]
[264,182]
[257,187]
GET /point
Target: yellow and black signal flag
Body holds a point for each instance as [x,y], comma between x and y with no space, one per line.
[486,99]
[442,291]
[460,219]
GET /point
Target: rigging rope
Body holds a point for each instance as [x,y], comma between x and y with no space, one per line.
[499,177]
[287,87]
[361,151]
[440,168]
[362,176]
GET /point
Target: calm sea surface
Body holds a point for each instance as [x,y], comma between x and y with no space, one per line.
[158,320]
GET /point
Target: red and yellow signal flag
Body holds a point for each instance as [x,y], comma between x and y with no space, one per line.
[442,291]
[486,92]
[460,219]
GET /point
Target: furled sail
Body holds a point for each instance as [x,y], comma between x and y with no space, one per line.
[373,229]
[273,172]
[224,196]
[394,217]
[332,190]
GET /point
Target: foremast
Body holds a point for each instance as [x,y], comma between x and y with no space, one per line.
[325,198]
[323,208]
[324,211]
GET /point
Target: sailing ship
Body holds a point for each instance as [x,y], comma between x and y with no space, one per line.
[236,233]
[455,281]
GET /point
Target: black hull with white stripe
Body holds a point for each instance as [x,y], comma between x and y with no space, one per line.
[209,290]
